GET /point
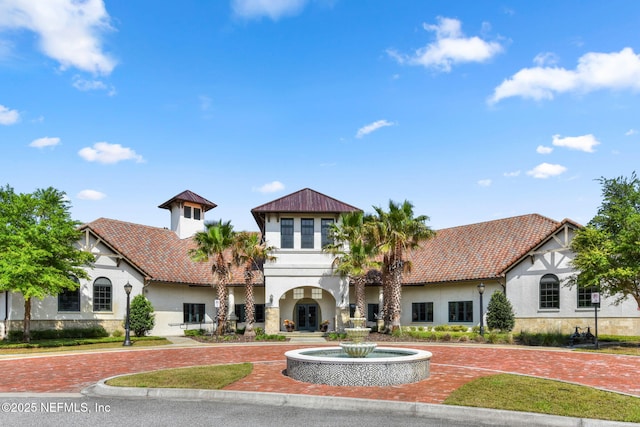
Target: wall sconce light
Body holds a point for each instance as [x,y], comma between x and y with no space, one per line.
[271,299]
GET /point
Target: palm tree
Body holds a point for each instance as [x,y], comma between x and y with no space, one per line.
[250,252]
[354,253]
[212,243]
[395,232]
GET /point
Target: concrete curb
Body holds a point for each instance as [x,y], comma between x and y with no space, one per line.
[444,412]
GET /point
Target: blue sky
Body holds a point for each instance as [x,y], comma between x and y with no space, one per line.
[471,110]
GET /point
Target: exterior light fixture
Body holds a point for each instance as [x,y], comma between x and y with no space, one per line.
[127,339]
[481,291]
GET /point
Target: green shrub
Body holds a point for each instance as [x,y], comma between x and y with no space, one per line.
[273,337]
[117,333]
[194,332]
[141,317]
[500,313]
[548,339]
[55,334]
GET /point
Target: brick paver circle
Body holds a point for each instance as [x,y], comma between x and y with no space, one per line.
[451,366]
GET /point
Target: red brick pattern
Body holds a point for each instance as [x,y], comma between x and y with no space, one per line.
[451,366]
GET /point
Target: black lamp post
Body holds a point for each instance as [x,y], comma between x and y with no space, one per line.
[127,339]
[481,291]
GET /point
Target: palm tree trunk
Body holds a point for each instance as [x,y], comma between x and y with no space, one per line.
[396,298]
[222,310]
[359,283]
[386,298]
[249,308]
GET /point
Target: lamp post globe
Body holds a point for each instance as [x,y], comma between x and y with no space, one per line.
[127,334]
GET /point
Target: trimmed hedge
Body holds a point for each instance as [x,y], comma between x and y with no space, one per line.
[54,334]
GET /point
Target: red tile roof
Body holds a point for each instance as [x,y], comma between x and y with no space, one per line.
[158,252]
[470,252]
[478,251]
[189,196]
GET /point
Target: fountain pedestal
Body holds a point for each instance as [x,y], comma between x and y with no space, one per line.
[357,334]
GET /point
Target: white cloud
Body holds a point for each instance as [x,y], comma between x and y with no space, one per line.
[103,152]
[372,127]
[512,174]
[545,58]
[270,187]
[543,149]
[484,183]
[451,47]
[580,143]
[616,71]
[546,170]
[44,142]
[90,195]
[630,132]
[7,116]
[69,31]
[85,85]
[274,9]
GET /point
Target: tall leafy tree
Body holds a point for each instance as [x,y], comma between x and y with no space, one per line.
[213,244]
[354,253]
[250,252]
[608,247]
[395,232]
[38,252]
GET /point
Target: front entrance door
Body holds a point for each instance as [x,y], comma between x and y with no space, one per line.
[307,317]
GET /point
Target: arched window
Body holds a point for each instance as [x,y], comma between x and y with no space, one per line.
[69,300]
[102,294]
[549,291]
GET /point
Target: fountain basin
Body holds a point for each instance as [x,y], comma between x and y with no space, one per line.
[382,367]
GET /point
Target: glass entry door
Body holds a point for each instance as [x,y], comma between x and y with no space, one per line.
[307,317]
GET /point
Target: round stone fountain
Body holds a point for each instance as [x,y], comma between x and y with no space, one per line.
[358,362]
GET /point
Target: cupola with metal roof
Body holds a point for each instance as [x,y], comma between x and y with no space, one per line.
[187,213]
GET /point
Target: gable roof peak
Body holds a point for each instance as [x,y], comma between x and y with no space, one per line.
[305,200]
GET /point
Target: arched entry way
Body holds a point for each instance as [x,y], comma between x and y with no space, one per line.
[307,315]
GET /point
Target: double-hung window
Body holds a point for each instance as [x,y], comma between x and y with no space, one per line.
[325,228]
[306,233]
[286,233]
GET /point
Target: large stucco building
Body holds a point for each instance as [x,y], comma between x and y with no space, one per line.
[527,257]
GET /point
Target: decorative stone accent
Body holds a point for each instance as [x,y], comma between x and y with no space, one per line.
[272,320]
[606,325]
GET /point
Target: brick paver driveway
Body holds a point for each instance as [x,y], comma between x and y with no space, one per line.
[451,366]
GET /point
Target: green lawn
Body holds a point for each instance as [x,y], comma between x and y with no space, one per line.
[75,344]
[520,393]
[212,377]
[502,391]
